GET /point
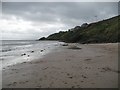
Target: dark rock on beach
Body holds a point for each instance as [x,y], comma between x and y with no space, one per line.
[41,50]
[65,44]
[32,51]
[23,54]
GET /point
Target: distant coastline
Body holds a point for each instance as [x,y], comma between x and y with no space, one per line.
[105,31]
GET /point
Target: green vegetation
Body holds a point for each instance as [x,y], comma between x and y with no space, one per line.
[56,36]
[43,38]
[105,31]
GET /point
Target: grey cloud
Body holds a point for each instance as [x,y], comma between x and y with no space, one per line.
[51,12]
[69,14]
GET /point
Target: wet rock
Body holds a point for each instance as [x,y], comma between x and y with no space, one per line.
[32,51]
[65,44]
[105,69]
[68,74]
[65,82]
[84,76]
[88,59]
[41,50]
[45,68]
[82,81]
[3,68]
[24,62]
[26,81]
[71,77]
[23,54]
[14,83]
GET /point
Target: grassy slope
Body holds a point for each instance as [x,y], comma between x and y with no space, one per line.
[99,32]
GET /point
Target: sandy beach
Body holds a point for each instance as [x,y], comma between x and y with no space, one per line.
[91,66]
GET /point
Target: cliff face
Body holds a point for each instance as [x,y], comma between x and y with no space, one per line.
[100,32]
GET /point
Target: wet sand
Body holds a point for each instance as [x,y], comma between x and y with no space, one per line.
[91,66]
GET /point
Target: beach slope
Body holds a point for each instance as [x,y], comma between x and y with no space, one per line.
[89,66]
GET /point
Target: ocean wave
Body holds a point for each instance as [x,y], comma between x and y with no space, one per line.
[6,50]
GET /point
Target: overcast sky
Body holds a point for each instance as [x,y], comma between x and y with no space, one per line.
[32,20]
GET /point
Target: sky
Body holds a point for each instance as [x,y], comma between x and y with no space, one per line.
[33,20]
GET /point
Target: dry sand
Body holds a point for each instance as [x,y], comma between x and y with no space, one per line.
[93,66]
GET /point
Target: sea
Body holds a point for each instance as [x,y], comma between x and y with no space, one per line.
[18,51]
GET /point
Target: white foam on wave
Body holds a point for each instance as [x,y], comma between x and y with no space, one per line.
[26,53]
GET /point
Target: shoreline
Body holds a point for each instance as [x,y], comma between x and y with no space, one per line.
[12,55]
[92,66]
